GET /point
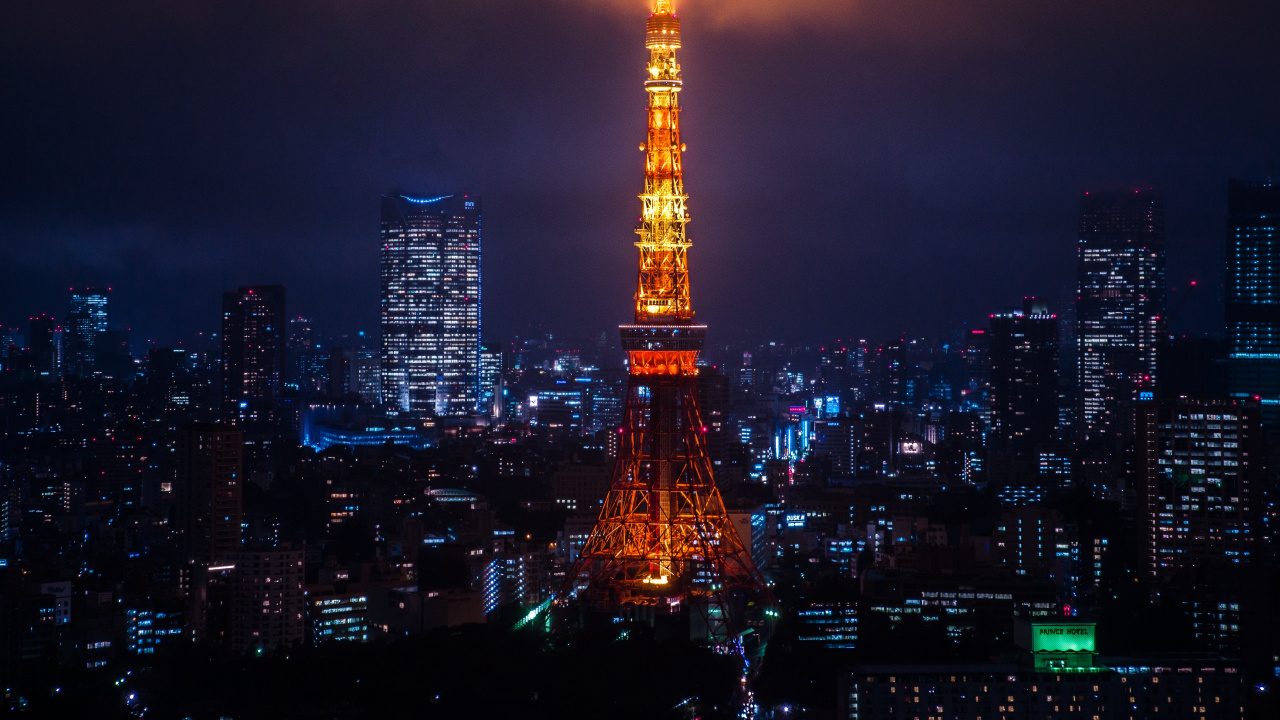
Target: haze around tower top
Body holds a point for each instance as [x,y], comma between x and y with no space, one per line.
[897,22]
[746,13]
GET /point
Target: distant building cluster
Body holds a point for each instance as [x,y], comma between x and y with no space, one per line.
[269,486]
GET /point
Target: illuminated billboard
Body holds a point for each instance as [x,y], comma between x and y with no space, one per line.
[1064,637]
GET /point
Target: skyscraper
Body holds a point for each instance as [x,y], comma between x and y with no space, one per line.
[86,321]
[1253,293]
[1120,304]
[1200,474]
[431,304]
[1024,377]
[253,351]
[209,487]
[45,352]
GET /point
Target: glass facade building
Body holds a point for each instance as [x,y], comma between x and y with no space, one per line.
[1253,293]
[338,616]
[431,304]
[86,321]
[1120,305]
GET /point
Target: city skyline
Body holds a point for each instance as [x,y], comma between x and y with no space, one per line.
[886,473]
[917,184]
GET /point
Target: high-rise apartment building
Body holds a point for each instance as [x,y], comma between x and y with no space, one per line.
[431,304]
[1200,473]
[1120,305]
[253,351]
[268,606]
[86,321]
[1024,377]
[1253,293]
[209,487]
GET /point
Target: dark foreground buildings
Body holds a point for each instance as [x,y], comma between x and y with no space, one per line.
[1059,675]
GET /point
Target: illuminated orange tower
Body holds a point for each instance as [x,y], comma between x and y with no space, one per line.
[663,540]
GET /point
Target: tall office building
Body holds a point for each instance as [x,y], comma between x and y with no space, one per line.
[209,486]
[307,361]
[253,351]
[1200,474]
[1253,293]
[1120,305]
[1024,377]
[431,304]
[44,341]
[490,381]
[10,338]
[86,321]
[366,375]
[977,368]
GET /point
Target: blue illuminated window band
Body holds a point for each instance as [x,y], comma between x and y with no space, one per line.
[1264,401]
[426,201]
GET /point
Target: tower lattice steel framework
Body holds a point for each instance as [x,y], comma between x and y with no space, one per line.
[663,538]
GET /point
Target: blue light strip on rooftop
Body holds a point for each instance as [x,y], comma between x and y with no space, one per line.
[426,201]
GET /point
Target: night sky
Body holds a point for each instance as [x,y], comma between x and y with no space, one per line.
[855,168]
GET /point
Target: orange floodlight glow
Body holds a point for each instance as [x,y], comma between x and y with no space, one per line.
[663,538]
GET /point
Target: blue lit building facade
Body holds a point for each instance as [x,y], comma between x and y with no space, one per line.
[430,297]
[560,409]
[147,629]
[831,625]
[338,616]
[490,381]
[1253,293]
[1024,378]
[511,578]
[86,321]
[324,435]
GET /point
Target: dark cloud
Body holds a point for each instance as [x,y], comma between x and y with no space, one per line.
[855,167]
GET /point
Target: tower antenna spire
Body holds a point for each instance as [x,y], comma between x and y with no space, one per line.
[664,542]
